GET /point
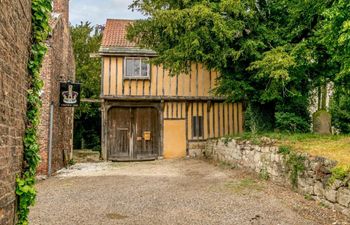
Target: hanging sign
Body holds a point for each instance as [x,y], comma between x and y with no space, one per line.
[69,94]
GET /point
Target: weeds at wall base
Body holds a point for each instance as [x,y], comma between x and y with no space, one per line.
[294,162]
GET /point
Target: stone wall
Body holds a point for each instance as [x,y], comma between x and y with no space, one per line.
[196,148]
[15,33]
[58,67]
[266,159]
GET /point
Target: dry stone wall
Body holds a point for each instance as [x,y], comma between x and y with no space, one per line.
[266,159]
[15,34]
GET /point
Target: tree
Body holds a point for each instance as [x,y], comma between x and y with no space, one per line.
[267,52]
[87,40]
[335,34]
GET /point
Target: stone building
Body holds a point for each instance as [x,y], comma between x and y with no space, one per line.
[15,35]
[58,67]
[15,43]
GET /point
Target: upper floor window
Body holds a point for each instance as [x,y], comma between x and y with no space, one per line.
[137,68]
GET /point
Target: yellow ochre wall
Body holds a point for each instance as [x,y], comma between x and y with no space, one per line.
[219,119]
[196,84]
[174,139]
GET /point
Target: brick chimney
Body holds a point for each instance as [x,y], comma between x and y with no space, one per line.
[62,7]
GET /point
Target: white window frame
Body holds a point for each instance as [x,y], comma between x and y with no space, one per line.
[139,77]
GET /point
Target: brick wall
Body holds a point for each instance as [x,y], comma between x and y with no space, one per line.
[15,32]
[58,66]
[62,7]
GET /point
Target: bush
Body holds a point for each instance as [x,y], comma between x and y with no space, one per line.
[340,110]
[291,122]
[258,117]
[338,173]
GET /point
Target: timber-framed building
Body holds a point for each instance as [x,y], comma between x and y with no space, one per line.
[148,114]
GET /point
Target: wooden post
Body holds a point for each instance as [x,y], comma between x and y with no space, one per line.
[104,134]
[116,76]
[187,144]
[161,120]
[208,118]
[109,75]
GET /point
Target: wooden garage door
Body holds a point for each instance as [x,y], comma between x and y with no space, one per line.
[119,133]
[133,133]
[146,133]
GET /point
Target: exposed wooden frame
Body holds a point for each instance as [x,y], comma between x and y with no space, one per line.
[196,140]
[240,117]
[130,81]
[150,83]
[102,75]
[116,76]
[210,78]
[174,118]
[161,121]
[223,120]
[203,83]
[187,144]
[214,128]
[197,77]
[123,82]
[163,90]
[170,81]
[87,100]
[208,118]
[165,98]
[219,120]
[203,130]
[177,86]
[137,86]
[109,75]
[157,80]
[143,87]
[228,119]
[197,120]
[190,82]
[104,137]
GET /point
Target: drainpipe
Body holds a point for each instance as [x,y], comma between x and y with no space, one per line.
[50,140]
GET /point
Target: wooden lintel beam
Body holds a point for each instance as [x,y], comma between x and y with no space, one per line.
[91,100]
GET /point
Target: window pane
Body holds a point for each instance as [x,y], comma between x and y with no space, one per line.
[129,67]
[197,126]
[137,68]
[144,68]
[133,67]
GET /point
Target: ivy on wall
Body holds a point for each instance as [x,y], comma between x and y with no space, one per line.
[25,190]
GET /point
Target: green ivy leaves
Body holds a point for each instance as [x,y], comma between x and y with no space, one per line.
[25,190]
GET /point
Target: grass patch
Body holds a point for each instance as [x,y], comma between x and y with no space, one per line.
[226,165]
[243,185]
[339,173]
[308,197]
[264,175]
[335,147]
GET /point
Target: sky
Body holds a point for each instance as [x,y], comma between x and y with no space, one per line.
[97,11]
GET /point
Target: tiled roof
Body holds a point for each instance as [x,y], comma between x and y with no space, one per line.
[115,32]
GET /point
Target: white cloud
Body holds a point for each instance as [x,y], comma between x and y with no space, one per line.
[97,11]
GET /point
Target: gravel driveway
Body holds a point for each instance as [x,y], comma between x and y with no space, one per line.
[170,192]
